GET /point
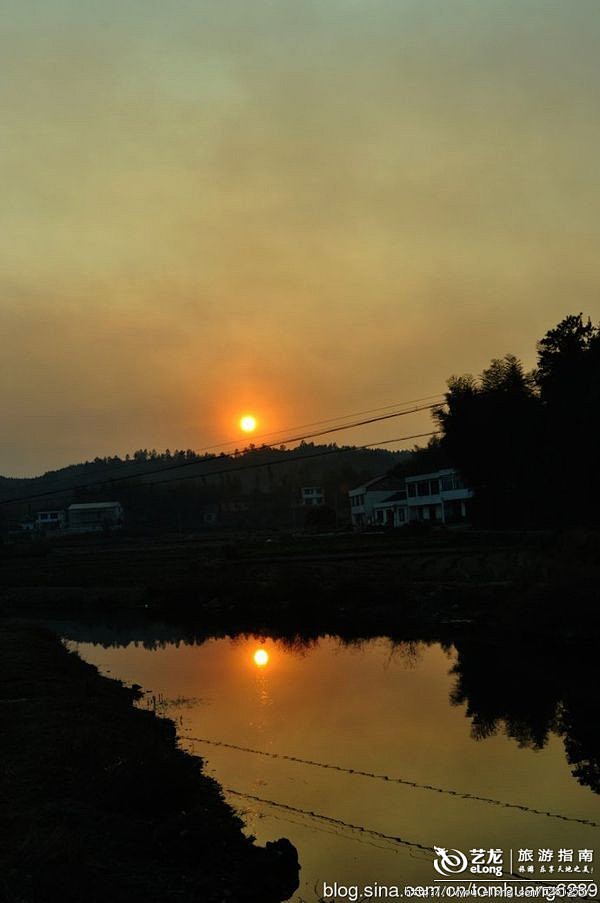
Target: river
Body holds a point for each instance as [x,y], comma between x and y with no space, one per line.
[454,739]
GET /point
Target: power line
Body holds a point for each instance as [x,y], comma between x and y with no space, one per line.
[169,468]
[392,780]
[340,835]
[411,844]
[224,444]
[198,476]
[234,469]
[354,424]
[302,426]
[319,454]
[331,820]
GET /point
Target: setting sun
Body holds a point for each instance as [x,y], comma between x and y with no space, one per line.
[248,423]
[261,657]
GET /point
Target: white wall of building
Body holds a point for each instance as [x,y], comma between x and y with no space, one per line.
[436,497]
[363,501]
[312,495]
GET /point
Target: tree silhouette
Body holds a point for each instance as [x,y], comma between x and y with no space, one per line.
[568,377]
[527,442]
[491,432]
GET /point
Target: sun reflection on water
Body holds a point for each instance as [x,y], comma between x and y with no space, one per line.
[261,658]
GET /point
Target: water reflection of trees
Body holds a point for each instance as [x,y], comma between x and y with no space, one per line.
[530,692]
[527,690]
[153,635]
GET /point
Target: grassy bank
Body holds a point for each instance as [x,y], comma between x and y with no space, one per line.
[99,804]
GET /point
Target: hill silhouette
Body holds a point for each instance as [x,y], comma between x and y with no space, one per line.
[258,485]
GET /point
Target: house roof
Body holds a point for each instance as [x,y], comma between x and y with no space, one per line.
[85,505]
[382,482]
[431,475]
[396,497]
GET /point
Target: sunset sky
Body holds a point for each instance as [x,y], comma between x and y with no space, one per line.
[292,208]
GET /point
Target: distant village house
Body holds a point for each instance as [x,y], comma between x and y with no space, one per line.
[50,520]
[88,517]
[440,497]
[93,517]
[376,492]
[312,495]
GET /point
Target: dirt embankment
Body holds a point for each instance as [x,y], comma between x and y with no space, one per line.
[98,803]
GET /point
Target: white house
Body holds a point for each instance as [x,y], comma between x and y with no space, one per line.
[439,497]
[387,501]
[92,517]
[312,495]
[364,499]
[392,511]
[50,520]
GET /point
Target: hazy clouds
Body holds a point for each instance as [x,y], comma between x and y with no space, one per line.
[306,208]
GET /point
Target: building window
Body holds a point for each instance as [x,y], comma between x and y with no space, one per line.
[435,487]
[447,484]
[423,487]
[412,490]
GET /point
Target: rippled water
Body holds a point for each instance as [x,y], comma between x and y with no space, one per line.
[443,724]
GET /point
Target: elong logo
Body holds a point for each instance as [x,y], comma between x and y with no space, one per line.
[451,862]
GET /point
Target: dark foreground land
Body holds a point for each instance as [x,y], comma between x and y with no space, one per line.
[365,584]
[98,803]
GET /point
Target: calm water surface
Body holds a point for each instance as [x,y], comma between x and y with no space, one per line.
[418,712]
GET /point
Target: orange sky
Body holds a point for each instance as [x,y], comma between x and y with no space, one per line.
[300,208]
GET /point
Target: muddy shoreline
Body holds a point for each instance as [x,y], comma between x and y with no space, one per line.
[100,805]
